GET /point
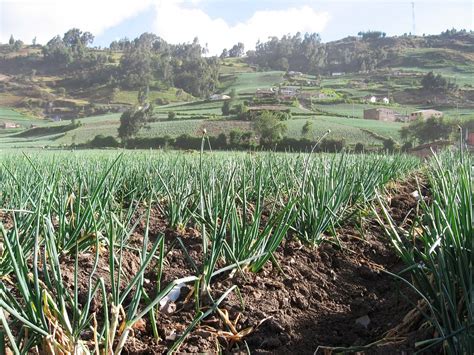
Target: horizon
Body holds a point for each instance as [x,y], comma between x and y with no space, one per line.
[219,24]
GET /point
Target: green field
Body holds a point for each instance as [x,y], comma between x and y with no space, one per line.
[250,82]
[345,128]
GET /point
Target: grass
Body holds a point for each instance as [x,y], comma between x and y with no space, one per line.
[344,128]
[234,66]
[10,115]
[250,82]
[168,95]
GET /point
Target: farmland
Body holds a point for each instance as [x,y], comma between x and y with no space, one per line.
[219,251]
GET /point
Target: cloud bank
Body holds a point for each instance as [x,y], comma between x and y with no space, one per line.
[44,19]
[174,20]
[178,23]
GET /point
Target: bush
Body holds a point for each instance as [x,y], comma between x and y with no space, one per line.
[146,143]
[185,141]
[101,141]
[359,148]
[332,145]
[171,115]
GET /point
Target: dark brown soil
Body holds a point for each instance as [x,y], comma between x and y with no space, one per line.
[313,298]
[336,295]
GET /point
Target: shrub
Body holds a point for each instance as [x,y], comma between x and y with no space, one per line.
[359,148]
[101,141]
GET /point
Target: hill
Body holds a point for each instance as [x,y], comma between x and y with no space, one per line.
[96,85]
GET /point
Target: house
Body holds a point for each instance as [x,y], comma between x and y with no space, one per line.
[470,139]
[337,73]
[288,91]
[372,99]
[385,100]
[264,93]
[381,114]
[295,73]
[216,97]
[400,117]
[425,114]
[8,125]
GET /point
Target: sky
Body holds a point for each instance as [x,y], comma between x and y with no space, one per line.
[222,23]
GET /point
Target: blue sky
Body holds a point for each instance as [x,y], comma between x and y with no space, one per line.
[221,23]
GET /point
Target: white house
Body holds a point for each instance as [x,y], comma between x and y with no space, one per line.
[295,73]
[386,101]
[216,97]
[288,91]
[373,99]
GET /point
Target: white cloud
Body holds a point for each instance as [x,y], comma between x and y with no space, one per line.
[44,19]
[176,22]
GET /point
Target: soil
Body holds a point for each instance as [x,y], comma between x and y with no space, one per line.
[311,300]
[336,295]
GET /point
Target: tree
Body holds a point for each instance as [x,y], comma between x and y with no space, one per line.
[131,121]
[237,50]
[371,35]
[437,83]
[307,128]
[171,115]
[33,42]
[226,107]
[359,147]
[17,45]
[434,128]
[389,144]
[143,94]
[11,41]
[224,54]
[269,128]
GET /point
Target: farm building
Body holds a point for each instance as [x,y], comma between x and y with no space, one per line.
[262,93]
[288,91]
[7,125]
[216,97]
[381,114]
[470,139]
[425,114]
[386,100]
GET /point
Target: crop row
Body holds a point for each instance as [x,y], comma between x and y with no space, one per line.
[65,205]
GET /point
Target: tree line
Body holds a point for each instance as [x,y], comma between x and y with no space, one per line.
[306,53]
[146,61]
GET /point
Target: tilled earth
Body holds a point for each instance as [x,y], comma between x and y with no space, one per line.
[311,299]
[335,295]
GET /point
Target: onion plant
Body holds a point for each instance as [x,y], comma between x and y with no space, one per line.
[438,252]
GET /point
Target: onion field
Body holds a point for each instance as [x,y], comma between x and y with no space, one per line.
[162,252]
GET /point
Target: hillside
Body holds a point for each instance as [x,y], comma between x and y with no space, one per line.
[98,85]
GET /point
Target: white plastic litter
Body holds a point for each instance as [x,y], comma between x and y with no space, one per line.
[172,296]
